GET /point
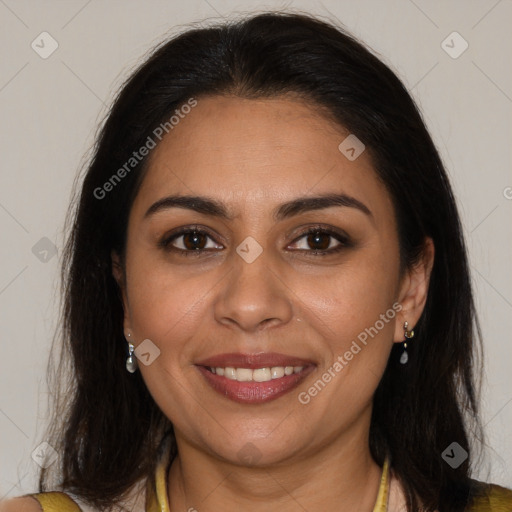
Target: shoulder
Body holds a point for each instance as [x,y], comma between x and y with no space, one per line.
[23,504]
[54,501]
[491,498]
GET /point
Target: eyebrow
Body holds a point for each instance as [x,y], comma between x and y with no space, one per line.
[214,208]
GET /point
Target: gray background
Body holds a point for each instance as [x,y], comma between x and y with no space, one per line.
[50,109]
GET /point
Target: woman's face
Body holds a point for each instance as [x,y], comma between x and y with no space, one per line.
[256,287]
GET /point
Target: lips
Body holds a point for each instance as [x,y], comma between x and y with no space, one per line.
[254,392]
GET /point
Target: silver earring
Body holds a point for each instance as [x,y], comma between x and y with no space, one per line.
[131,361]
[408,335]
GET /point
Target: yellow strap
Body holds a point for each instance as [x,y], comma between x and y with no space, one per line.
[500,498]
[56,502]
[493,498]
[157,501]
[381,504]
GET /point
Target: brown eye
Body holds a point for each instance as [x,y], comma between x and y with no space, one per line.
[188,241]
[322,242]
[319,241]
[194,240]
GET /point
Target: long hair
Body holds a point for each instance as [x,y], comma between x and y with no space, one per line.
[106,427]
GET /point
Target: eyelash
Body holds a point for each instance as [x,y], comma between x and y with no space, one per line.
[344,240]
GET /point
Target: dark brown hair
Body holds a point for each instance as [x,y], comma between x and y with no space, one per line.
[107,427]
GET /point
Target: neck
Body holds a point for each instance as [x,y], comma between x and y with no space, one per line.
[341,476]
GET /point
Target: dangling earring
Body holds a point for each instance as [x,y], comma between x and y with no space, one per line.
[408,335]
[131,362]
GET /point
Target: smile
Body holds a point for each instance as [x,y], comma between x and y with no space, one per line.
[254,385]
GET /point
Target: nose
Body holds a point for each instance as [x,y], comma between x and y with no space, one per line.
[253,296]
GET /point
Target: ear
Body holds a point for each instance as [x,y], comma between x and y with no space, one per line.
[120,276]
[414,290]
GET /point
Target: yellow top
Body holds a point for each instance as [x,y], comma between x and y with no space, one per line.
[493,499]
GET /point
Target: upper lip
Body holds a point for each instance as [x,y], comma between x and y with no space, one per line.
[260,360]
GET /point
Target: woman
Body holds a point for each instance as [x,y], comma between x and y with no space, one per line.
[267,295]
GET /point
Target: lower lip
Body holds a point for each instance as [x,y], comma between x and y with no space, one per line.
[254,392]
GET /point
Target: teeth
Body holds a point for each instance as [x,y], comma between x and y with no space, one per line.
[261,375]
[257,375]
[244,374]
[230,373]
[277,372]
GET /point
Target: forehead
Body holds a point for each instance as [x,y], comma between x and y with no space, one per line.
[263,151]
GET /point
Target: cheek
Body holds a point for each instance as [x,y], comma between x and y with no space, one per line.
[355,311]
[165,306]
[164,303]
[353,296]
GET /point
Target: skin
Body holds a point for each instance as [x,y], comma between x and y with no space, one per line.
[253,155]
